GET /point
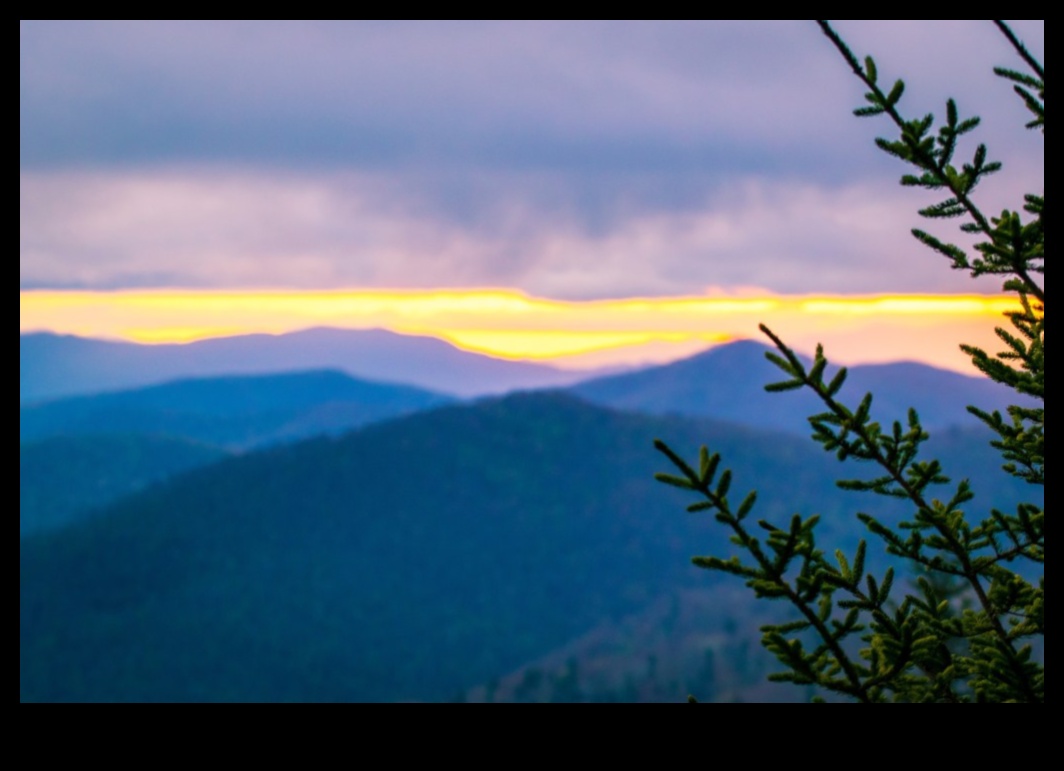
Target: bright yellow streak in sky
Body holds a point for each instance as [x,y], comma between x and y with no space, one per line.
[509,324]
[921,306]
[548,344]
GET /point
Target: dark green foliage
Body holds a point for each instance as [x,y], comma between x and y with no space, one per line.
[969,626]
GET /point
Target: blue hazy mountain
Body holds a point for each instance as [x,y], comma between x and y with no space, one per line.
[410,560]
[235,412]
[67,479]
[53,366]
[727,383]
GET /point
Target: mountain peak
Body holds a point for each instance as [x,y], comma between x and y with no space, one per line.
[728,383]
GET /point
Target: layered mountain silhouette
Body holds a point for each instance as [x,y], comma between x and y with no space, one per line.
[53,366]
[236,412]
[727,383]
[381,542]
[410,560]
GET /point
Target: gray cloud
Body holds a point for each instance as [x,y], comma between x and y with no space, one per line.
[539,93]
[252,229]
[569,158]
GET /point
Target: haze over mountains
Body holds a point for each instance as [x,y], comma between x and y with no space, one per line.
[82,453]
[236,412]
[54,366]
[727,383]
[243,412]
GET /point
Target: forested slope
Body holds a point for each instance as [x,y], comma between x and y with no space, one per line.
[409,561]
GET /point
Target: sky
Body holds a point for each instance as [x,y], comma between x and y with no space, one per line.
[584,192]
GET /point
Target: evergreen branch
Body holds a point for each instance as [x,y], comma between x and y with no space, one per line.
[917,149]
[935,646]
[770,581]
[911,486]
[1021,49]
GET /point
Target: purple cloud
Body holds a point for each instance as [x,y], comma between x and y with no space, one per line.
[567,158]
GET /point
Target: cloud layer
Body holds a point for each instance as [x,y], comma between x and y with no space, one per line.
[567,159]
[143,229]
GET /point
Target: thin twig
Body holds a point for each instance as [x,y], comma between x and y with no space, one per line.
[1021,49]
[925,160]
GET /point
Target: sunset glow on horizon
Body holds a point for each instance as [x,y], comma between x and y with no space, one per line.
[668,184]
[510,324]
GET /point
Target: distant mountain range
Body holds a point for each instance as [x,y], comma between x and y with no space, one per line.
[53,366]
[239,413]
[727,383]
[236,412]
[245,412]
[410,560]
[82,453]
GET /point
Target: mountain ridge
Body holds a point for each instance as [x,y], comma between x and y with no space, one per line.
[56,366]
[237,411]
[727,383]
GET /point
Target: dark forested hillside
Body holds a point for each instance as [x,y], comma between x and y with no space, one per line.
[235,412]
[411,560]
[66,479]
[693,642]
